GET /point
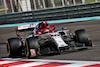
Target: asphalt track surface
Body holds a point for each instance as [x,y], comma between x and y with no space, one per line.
[91,54]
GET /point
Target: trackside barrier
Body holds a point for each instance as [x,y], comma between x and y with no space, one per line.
[77,11]
[54,21]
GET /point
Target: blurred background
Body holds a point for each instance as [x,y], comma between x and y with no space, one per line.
[12,6]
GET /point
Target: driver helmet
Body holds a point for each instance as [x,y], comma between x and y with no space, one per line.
[46,23]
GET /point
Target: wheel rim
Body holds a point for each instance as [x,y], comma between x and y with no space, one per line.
[26,49]
[76,38]
[8,48]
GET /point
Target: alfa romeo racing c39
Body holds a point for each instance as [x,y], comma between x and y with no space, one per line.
[45,40]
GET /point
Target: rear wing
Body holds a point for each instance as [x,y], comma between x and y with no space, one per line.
[25,27]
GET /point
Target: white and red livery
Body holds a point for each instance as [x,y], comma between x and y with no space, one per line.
[45,40]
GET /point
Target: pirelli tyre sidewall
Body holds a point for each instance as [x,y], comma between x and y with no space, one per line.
[81,36]
[27,51]
[13,45]
[31,43]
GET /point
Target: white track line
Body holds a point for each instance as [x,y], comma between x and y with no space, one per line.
[77,65]
[46,60]
[63,61]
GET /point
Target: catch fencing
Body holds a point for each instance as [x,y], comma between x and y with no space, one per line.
[76,11]
[13,6]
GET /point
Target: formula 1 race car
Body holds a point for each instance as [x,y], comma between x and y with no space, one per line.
[47,41]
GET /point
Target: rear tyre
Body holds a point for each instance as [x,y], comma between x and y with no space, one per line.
[82,37]
[13,47]
[31,44]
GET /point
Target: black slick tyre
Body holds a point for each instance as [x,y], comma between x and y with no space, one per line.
[13,47]
[81,36]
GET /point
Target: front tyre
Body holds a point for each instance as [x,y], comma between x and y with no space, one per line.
[81,36]
[13,47]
